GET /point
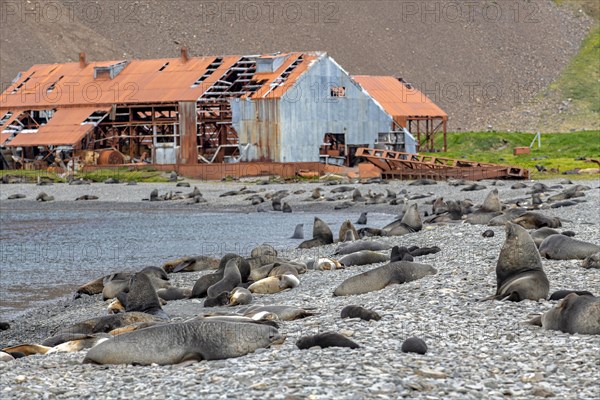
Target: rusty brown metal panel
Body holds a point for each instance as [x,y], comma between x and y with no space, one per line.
[188,118]
[399,101]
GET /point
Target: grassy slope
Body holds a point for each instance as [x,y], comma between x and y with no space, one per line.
[559,150]
[580,80]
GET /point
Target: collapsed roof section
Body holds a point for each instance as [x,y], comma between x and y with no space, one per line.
[157,81]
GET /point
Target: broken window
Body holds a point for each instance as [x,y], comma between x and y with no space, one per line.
[51,87]
[16,89]
[337,91]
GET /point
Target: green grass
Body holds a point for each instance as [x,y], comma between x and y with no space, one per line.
[100,175]
[124,175]
[558,149]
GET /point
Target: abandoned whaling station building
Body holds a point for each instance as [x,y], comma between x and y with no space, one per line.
[275,113]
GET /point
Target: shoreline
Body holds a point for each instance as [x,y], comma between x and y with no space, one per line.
[476,349]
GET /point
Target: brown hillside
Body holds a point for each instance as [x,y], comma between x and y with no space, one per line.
[475,60]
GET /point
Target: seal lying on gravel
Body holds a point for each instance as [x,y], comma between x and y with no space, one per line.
[561,294]
[274,284]
[363,257]
[323,340]
[283,313]
[561,247]
[378,278]
[519,271]
[176,343]
[359,312]
[592,261]
[347,248]
[410,222]
[191,264]
[574,314]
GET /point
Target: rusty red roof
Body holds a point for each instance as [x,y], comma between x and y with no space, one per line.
[64,128]
[399,100]
[167,80]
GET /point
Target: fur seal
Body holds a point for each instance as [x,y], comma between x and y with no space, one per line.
[574,314]
[141,296]
[298,232]
[322,235]
[488,233]
[561,247]
[176,343]
[79,344]
[348,248]
[44,197]
[274,284]
[363,257]
[533,220]
[87,197]
[423,251]
[592,261]
[345,228]
[283,313]
[284,269]
[492,202]
[286,208]
[410,222]
[414,345]
[174,293]
[231,279]
[263,250]
[242,264]
[222,299]
[191,264]
[16,196]
[4,326]
[362,220]
[325,264]
[561,294]
[204,282]
[27,349]
[519,272]
[323,340]
[359,312]
[240,296]
[539,235]
[400,253]
[379,278]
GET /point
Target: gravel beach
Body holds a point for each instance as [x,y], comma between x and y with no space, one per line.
[476,349]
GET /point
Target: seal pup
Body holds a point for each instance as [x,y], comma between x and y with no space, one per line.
[274,284]
[574,314]
[414,345]
[240,296]
[519,272]
[323,340]
[174,293]
[362,220]
[592,261]
[379,278]
[141,296]
[539,235]
[561,247]
[400,253]
[561,294]
[298,232]
[186,341]
[222,299]
[325,264]
[16,196]
[27,349]
[322,235]
[283,313]
[359,312]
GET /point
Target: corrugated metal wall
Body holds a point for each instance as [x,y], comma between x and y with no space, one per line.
[308,112]
[291,129]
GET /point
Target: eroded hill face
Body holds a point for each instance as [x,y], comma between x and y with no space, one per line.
[476,59]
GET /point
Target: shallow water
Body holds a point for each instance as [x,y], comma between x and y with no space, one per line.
[46,255]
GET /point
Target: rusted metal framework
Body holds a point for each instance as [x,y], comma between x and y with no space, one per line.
[398,165]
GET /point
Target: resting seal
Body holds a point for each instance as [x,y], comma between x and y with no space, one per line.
[561,247]
[592,261]
[574,314]
[274,284]
[176,343]
[359,312]
[363,257]
[323,340]
[410,222]
[378,278]
[345,229]
[347,248]
[519,272]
